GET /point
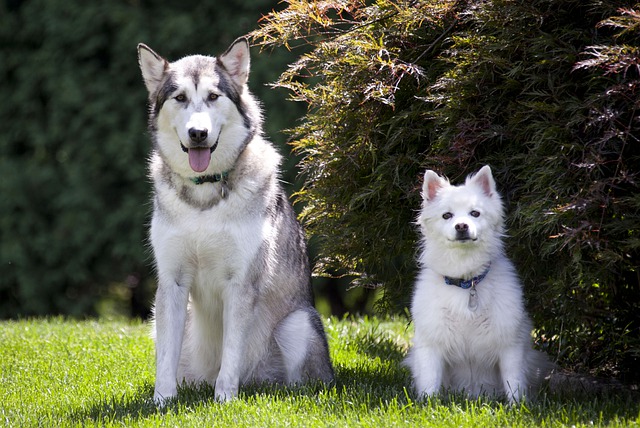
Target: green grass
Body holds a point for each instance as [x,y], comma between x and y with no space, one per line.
[56,372]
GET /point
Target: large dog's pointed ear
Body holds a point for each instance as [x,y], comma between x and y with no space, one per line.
[432,183]
[236,61]
[484,180]
[152,66]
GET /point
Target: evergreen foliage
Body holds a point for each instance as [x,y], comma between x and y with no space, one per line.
[73,142]
[545,91]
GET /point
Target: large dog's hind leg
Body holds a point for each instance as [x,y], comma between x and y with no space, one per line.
[303,346]
[293,336]
[170,314]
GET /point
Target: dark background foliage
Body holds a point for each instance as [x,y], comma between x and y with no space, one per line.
[544,91]
[73,141]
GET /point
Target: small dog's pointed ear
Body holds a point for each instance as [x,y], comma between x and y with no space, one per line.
[484,180]
[432,183]
[152,66]
[236,60]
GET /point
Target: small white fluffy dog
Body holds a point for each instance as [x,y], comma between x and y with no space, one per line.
[472,332]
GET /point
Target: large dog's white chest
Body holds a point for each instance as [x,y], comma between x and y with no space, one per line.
[207,247]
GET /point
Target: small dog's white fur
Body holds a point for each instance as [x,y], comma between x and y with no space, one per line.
[481,350]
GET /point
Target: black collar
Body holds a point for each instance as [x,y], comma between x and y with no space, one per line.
[213,178]
[467,283]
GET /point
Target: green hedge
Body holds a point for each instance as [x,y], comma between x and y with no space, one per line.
[74,197]
[545,91]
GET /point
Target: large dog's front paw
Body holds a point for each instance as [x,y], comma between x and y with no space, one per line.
[226,390]
[161,398]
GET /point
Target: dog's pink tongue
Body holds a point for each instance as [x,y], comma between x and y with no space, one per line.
[199,159]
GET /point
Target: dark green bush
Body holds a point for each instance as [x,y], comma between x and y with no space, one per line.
[74,197]
[545,91]
[562,134]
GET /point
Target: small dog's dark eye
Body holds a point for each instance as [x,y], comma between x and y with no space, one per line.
[181,98]
[213,97]
[475,213]
[447,216]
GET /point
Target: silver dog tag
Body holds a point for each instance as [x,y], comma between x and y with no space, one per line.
[224,189]
[473,298]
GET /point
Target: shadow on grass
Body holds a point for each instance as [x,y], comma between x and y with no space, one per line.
[360,388]
[377,378]
[379,382]
[134,406]
[139,406]
[588,407]
[380,346]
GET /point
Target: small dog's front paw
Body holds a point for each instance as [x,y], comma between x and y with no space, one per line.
[426,392]
[514,397]
[515,391]
[426,386]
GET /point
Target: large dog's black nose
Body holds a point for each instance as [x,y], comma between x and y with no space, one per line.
[198,135]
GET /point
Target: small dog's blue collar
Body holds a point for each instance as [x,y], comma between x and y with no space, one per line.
[467,283]
[213,178]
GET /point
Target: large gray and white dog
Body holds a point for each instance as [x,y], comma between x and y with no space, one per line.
[234,302]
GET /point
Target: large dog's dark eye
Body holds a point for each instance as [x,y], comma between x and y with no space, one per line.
[475,213]
[213,97]
[447,216]
[180,98]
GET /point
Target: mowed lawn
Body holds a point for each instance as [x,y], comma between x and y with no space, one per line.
[59,373]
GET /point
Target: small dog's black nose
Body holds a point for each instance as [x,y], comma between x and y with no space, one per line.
[462,227]
[198,135]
